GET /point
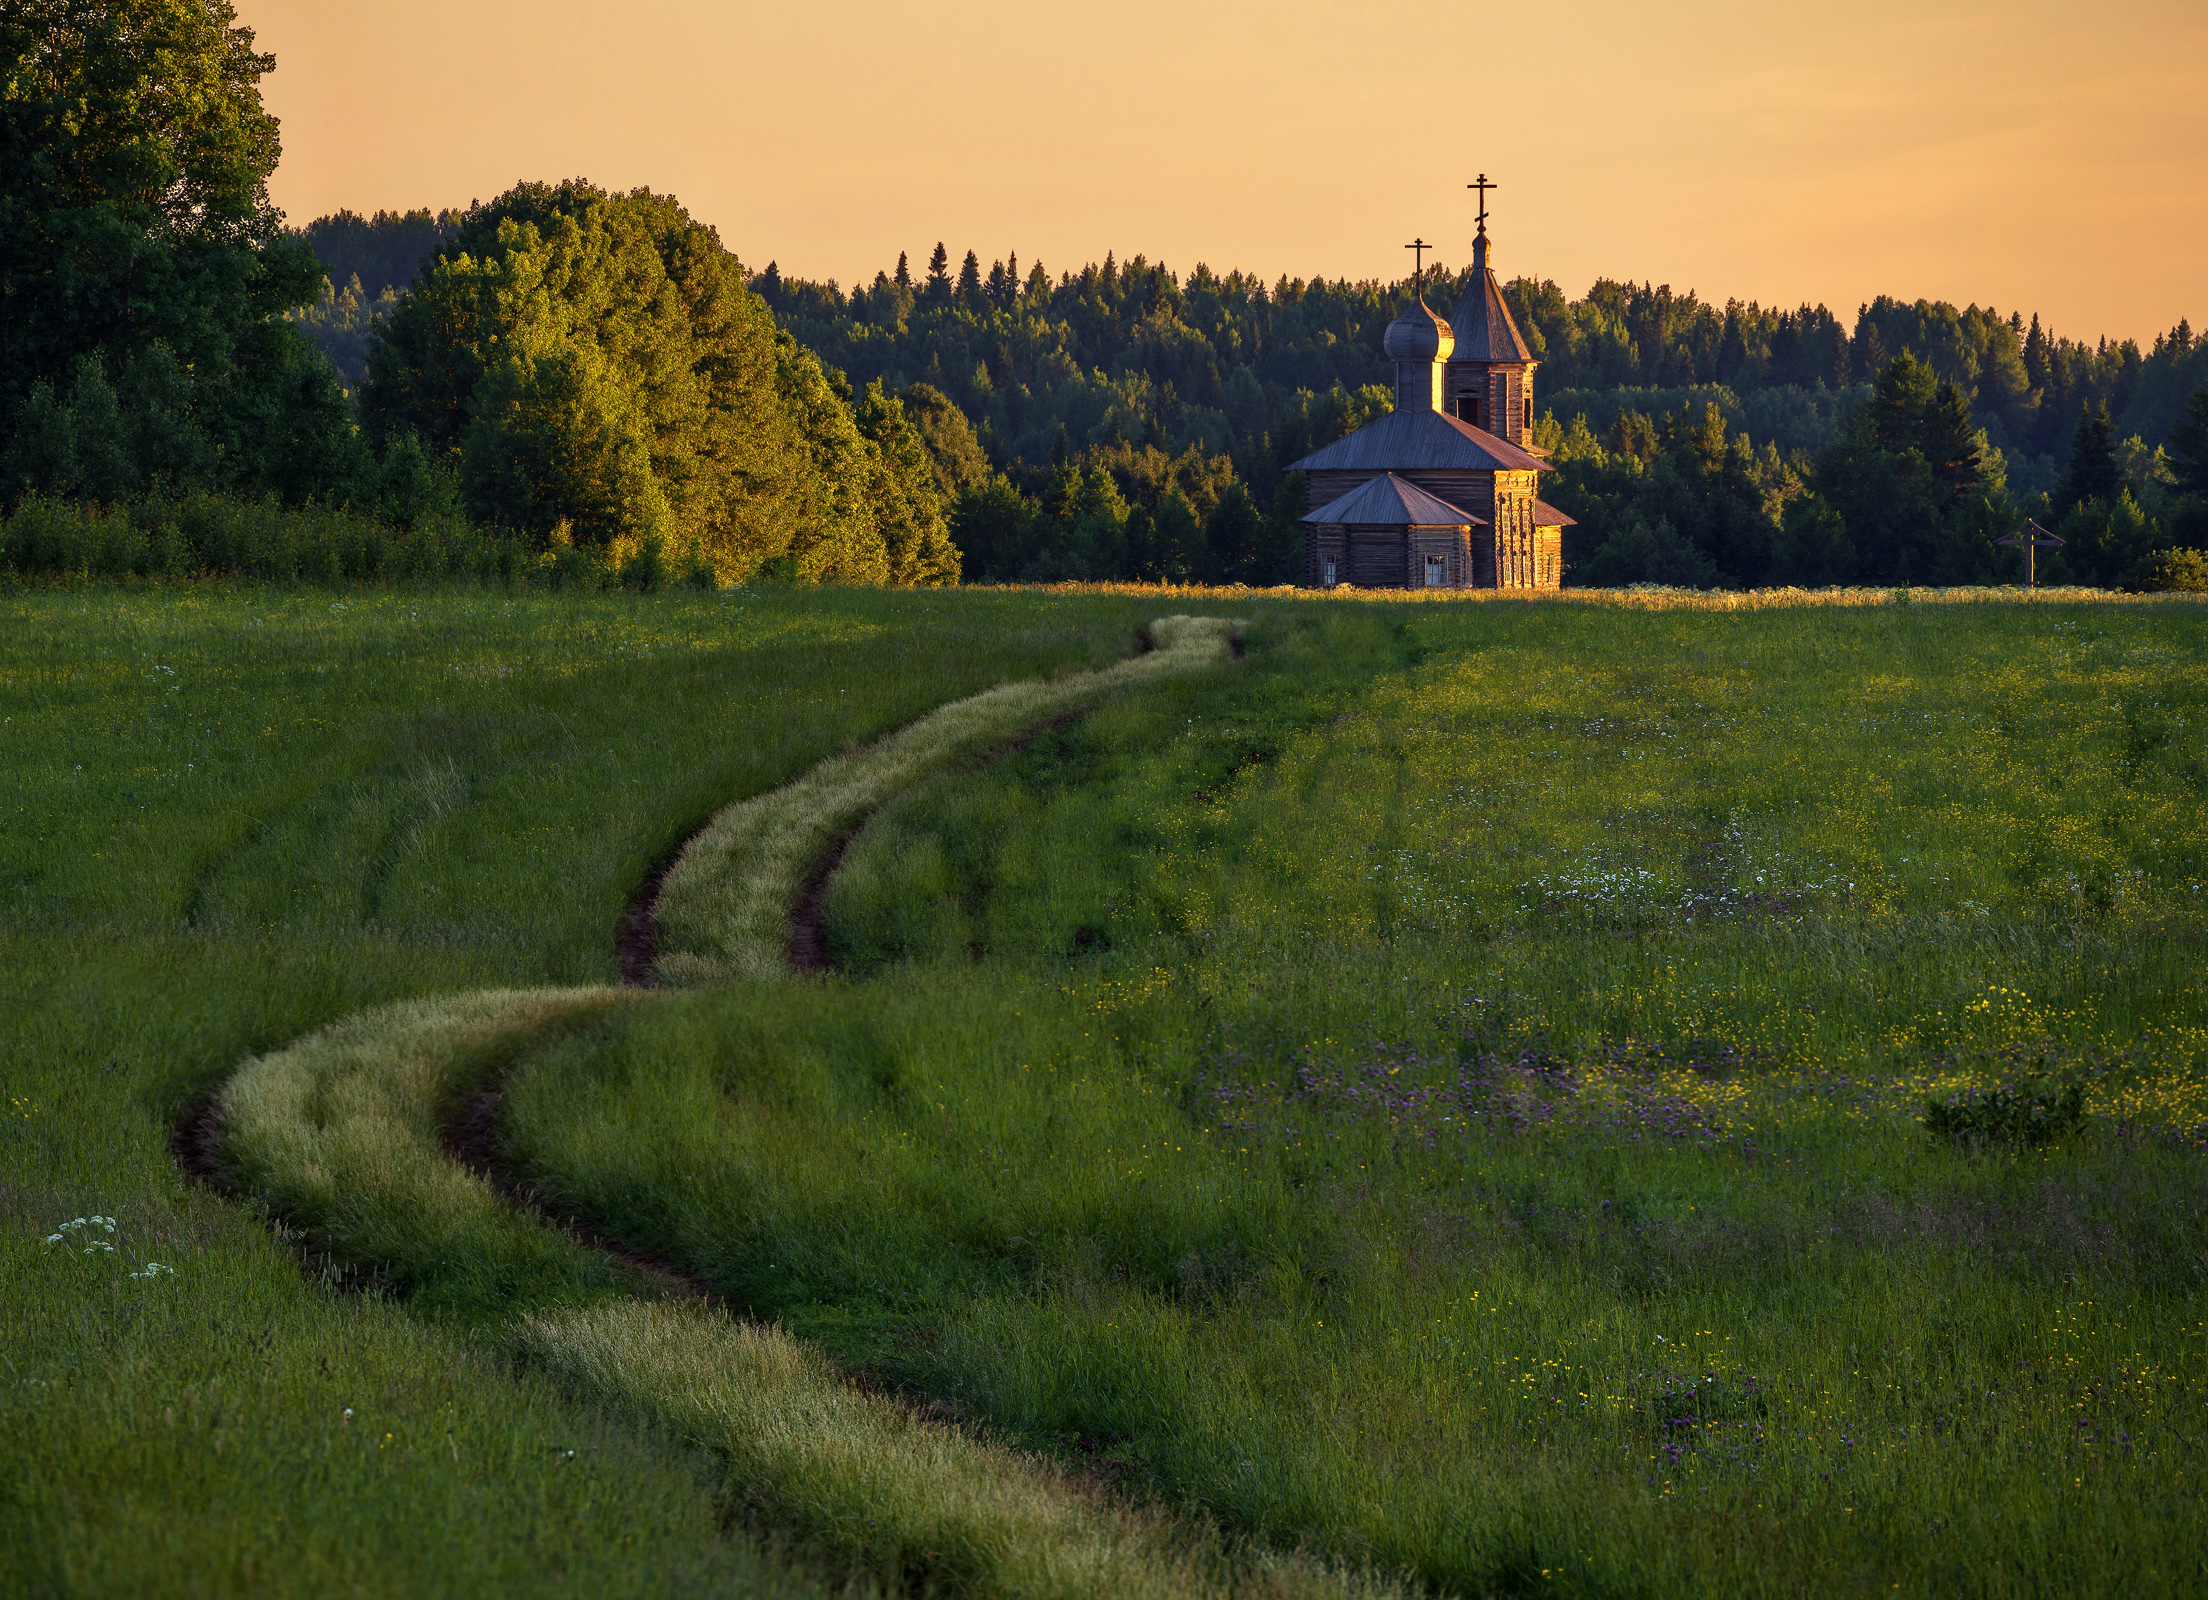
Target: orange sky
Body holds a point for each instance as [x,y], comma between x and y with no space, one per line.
[2034,156]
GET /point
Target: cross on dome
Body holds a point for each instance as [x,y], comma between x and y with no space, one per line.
[1419,247]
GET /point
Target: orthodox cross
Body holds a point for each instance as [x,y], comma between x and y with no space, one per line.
[1483,186]
[2034,539]
[1418,249]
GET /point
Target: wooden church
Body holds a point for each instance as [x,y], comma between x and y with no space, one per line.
[1444,491]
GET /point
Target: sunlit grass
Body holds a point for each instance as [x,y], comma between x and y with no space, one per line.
[1472,1119]
[1443,1093]
[724,909]
[234,815]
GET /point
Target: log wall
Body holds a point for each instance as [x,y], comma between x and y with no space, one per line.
[1509,553]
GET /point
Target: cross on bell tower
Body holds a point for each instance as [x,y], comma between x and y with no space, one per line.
[1483,186]
[1489,382]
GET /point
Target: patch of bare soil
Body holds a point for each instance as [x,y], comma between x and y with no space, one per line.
[636,944]
[195,1139]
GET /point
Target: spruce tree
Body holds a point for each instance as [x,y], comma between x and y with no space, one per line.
[1732,347]
[1904,392]
[2037,368]
[969,280]
[2091,474]
[939,273]
[1951,443]
[903,279]
[1870,352]
[2189,445]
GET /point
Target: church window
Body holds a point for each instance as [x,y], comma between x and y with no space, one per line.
[1437,572]
[1326,572]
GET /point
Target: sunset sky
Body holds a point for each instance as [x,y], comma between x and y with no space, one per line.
[2034,156]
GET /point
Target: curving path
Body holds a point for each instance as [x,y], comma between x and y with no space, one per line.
[351,1136]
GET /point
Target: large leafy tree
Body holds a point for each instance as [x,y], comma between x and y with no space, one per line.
[595,360]
[955,454]
[916,541]
[143,268]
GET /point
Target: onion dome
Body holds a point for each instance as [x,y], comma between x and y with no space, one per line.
[1419,335]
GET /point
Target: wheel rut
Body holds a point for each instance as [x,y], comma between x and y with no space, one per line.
[420,1086]
[470,1132]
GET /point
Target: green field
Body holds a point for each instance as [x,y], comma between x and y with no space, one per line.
[1435,1102]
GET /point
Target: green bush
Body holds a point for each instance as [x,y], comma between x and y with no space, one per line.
[2185,571]
[2012,1114]
[209,535]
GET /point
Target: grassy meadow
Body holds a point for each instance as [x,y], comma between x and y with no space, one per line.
[235,815]
[1442,1093]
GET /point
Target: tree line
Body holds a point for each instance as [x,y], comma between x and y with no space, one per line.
[560,365]
[1735,444]
[592,370]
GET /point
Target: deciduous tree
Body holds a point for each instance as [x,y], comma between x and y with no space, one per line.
[595,361]
[136,234]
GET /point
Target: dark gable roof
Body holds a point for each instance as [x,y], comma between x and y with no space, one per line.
[1483,326]
[1388,502]
[1547,516]
[1420,440]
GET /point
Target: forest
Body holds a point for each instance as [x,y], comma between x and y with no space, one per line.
[495,366]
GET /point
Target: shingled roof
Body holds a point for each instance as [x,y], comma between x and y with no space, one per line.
[1547,516]
[1483,325]
[1388,502]
[1420,440]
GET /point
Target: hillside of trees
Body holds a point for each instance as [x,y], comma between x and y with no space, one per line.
[559,368]
[1686,432]
[596,371]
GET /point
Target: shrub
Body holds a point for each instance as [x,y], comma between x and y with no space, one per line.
[209,535]
[2184,571]
[2013,1114]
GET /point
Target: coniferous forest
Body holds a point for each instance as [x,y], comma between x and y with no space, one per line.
[598,378]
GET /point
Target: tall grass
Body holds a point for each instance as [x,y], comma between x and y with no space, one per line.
[904,1495]
[237,815]
[724,908]
[340,1136]
[1476,1122]
[1389,1117]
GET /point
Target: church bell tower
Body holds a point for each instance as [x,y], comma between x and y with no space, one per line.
[1488,381]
